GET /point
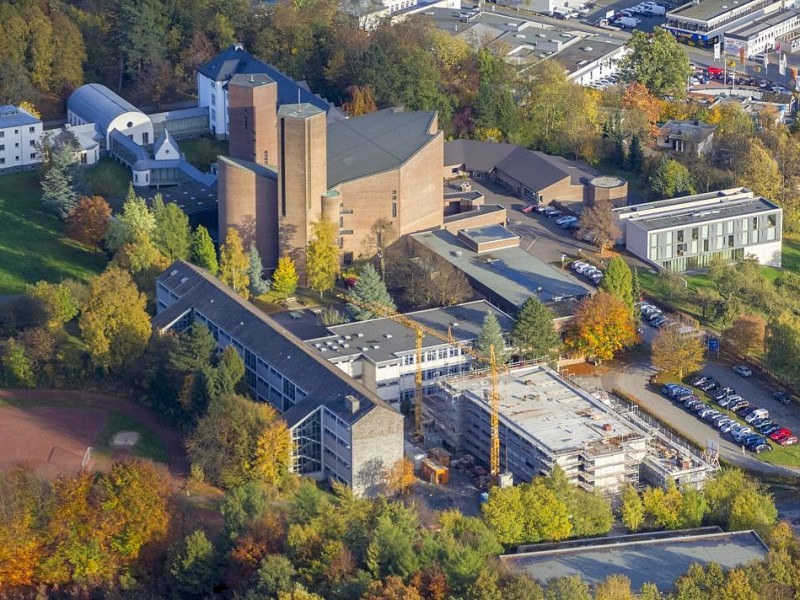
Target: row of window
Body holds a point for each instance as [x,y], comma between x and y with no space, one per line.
[16,158]
[31,129]
[431,355]
[32,144]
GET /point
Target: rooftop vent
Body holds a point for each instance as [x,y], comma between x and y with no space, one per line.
[587,48]
[360,335]
[388,336]
[184,279]
[345,345]
[364,348]
[454,324]
[376,347]
[173,272]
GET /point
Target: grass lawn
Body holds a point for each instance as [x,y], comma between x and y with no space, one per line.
[109,179]
[31,246]
[149,445]
[203,151]
[791,252]
[782,455]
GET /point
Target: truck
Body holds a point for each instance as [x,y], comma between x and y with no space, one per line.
[657,10]
[628,22]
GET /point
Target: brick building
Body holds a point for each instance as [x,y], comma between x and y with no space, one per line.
[291,165]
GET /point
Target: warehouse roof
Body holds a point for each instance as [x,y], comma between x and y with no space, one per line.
[384,339]
[95,103]
[323,383]
[707,10]
[661,560]
[695,216]
[376,142]
[11,116]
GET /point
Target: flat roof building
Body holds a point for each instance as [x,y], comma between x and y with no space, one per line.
[506,276]
[687,233]
[544,421]
[762,34]
[20,133]
[341,430]
[381,353]
[704,22]
[659,558]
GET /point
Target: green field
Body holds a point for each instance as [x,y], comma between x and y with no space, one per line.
[149,445]
[108,179]
[203,151]
[31,245]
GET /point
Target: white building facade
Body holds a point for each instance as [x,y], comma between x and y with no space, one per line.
[687,233]
[20,133]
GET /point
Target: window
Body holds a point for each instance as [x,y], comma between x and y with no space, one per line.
[31,129]
[681,249]
[730,241]
[408,359]
[695,233]
[729,227]
[33,155]
[16,144]
[2,134]
[704,231]
[394,210]
[680,235]
[771,235]
[2,161]
[772,220]
[705,245]
[668,238]
[2,146]
[746,225]
[130,124]
[33,143]
[755,222]
[653,240]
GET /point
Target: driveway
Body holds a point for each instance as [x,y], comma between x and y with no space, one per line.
[633,379]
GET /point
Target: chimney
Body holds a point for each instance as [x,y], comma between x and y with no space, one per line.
[354,403]
[238,47]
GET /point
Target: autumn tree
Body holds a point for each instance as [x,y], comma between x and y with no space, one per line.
[602,327]
[426,278]
[664,507]
[285,277]
[747,333]
[567,588]
[114,323]
[272,454]
[381,234]
[675,351]
[641,115]
[400,477]
[534,334]
[23,502]
[57,299]
[618,281]
[134,226]
[361,101]
[15,366]
[202,251]
[234,264]
[171,234]
[89,221]
[322,256]
[369,298]
[614,587]
[597,224]
[760,171]
[658,62]
[632,509]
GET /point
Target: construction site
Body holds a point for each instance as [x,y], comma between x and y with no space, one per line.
[545,420]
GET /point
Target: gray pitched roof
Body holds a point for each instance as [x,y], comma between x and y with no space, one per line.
[163,139]
[476,155]
[532,169]
[323,383]
[96,103]
[376,142]
[235,60]
[11,116]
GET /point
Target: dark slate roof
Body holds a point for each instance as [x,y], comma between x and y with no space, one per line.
[476,155]
[532,169]
[323,383]
[11,116]
[96,103]
[376,142]
[235,60]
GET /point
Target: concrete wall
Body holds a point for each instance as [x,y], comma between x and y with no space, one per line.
[141,128]
[377,445]
[479,219]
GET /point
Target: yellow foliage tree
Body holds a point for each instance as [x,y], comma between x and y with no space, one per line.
[28,106]
[602,327]
[677,352]
[272,453]
[400,477]
[114,323]
[322,257]
[234,264]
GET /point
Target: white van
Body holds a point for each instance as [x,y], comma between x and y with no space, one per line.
[560,14]
[759,413]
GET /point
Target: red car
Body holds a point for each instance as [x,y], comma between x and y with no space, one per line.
[528,208]
[788,440]
[780,434]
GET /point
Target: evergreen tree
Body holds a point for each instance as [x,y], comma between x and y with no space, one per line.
[285,277]
[194,566]
[257,284]
[636,287]
[636,155]
[533,334]
[491,335]
[369,298]
[233,264]
[618,281]
[172,234]
[203,253]
[322,257]
[619,151]
[670,179]
[59,192]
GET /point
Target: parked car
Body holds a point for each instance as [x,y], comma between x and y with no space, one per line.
[572,225]
[709,385]
[743,370]
[772,429]
[711,415]
[745,410]
[764,447]
[738,405]
[765,424]
[565,218]
[698,379]
[742,433]
[728,426]
[789,440]
[553,214]
[706,412]
[782,397]
[528,209]
[729,401]
[724,392]
[721,423]
[777,436]
[759,413]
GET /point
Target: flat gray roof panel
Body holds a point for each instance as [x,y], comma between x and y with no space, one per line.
[707,10]
[755,27]
[659,561]
[696,216]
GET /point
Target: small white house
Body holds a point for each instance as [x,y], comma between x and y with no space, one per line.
[166,148]
[20,132]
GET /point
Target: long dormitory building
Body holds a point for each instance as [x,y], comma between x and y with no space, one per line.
[340,430]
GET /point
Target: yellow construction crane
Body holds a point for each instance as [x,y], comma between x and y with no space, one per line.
[420,332]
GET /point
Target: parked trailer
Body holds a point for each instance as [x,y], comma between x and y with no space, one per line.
[629,22]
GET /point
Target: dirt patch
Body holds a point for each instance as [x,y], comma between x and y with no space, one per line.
[125,439]
[53,441]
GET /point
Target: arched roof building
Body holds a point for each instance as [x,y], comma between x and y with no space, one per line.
[95,103]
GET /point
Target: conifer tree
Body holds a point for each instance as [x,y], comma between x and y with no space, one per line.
[618,281]
[257,284]
[491,334]
[285,277]
[534,334]
[369,298]
[203,253]
[172,234]
[233,264]
[59,191]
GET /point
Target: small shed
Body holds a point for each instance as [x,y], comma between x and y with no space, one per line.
[440,455]
[434,473]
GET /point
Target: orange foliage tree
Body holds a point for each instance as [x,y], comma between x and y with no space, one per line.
[400,477]
[21,501]
[602,326]
[642,110]
[391,588]
[89,221]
